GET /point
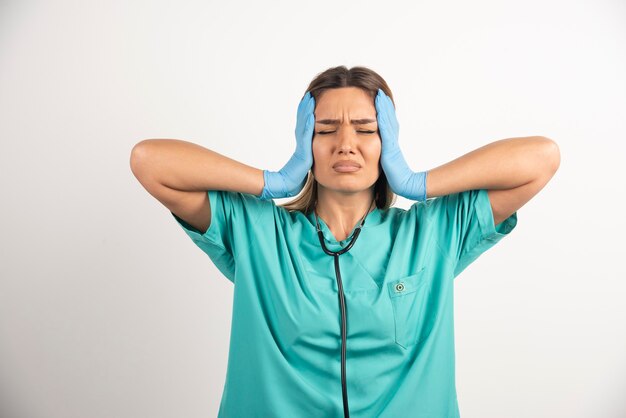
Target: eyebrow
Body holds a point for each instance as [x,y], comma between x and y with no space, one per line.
[353,121]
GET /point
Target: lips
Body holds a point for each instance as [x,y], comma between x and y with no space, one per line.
[346,166]
[346,163]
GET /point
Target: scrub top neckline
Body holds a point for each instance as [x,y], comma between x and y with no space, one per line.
[373,218]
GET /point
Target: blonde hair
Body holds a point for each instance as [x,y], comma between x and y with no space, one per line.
[337,77]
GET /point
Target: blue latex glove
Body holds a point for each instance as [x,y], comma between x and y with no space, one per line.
[290,180]
[401,178]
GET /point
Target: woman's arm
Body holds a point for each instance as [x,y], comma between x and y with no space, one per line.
[179,173]
[513,170]
[185,166]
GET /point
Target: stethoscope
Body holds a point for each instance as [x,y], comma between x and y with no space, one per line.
[342,303]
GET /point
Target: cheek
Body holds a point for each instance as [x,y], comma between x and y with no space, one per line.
[318,154]
[374,149]
[315,149]
[320,148]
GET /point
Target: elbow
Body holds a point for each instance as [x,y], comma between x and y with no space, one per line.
[137,156]
[552,154]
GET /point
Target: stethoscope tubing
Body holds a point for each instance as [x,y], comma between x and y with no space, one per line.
[342,305]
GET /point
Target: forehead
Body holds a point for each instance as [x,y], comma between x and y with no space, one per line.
[334,102]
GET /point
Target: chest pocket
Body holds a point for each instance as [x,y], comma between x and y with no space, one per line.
[409,297]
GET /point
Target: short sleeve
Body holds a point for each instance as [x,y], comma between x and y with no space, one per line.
[464,225]
[233,216]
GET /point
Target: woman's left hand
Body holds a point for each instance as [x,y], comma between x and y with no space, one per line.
[401,178]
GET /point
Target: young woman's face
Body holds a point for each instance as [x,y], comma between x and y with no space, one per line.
[346,129]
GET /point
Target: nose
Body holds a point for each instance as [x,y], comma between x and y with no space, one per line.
[347,137]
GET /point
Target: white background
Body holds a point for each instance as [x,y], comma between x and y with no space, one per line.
[107,309]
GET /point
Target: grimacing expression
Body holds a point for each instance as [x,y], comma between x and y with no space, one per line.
[346,129]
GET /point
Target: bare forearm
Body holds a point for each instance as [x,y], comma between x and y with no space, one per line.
[186,166]
[503,164]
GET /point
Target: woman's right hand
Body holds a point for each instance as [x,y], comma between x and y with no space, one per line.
[290,180]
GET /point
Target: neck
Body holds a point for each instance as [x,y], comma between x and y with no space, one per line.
[343,211]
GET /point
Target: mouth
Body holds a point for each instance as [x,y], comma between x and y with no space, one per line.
[346,166]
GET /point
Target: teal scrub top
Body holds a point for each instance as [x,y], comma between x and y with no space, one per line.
[285,348]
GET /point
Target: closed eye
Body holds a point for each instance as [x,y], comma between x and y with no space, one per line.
[361,132]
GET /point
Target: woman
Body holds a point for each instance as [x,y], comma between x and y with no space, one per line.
[343,305]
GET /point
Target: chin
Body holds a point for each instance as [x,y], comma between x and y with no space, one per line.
[346,187]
